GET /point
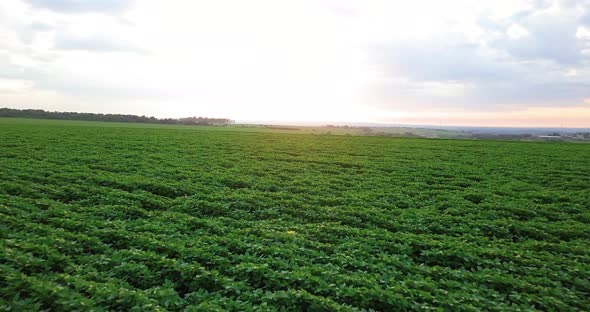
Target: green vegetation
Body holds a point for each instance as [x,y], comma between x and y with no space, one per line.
[204,219]
[39,113]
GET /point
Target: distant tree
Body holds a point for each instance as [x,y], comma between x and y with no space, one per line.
[41,114]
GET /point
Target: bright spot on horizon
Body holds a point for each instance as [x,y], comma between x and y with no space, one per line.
[487,63]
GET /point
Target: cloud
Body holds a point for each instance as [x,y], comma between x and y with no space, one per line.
[516,32]
[15,85]
[470,77]
[82,6]
[546,34]
[519,93]
[94,43]
[441,61]
[38,26]
[529,57]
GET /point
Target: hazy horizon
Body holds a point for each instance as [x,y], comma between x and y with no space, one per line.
[455,63]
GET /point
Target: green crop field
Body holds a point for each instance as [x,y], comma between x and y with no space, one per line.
[155,218]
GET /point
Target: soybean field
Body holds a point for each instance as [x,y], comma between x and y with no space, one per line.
[106,216]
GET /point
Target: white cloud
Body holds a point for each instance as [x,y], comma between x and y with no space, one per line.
[77,6]
[15,85]
[583,33]
[516,31]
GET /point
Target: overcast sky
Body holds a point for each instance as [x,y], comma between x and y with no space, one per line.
[495,63]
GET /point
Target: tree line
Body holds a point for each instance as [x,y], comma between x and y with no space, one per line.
[42,114]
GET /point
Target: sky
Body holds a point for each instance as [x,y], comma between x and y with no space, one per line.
[468,63]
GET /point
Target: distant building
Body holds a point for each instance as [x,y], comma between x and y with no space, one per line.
[550,137]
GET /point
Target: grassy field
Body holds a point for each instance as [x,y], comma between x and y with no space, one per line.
[314,130]
[152,217]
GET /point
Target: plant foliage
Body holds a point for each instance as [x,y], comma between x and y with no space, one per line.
[127,218]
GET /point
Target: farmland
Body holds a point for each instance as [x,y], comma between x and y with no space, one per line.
[155,217]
